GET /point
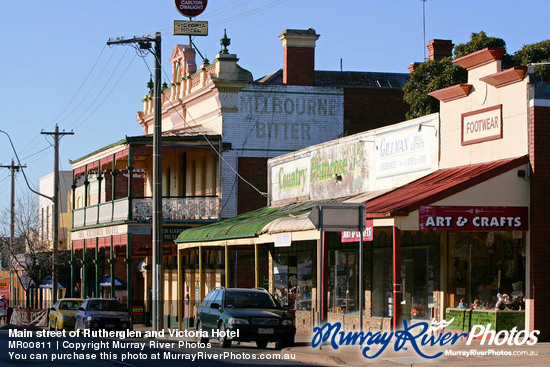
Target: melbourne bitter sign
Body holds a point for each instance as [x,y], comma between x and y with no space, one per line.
[190,8]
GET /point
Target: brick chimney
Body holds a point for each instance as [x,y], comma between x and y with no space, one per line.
[440,49]
[299,56]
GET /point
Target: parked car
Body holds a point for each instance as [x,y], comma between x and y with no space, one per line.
[63,312]
[102,313]
[255,313]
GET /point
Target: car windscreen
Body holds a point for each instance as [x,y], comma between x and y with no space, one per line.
[105,305]
[249,299]
[69,305]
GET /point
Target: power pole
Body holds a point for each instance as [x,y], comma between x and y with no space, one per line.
[56,135]
[13,168]
[158,295]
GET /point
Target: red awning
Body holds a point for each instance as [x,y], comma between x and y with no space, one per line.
[437,186]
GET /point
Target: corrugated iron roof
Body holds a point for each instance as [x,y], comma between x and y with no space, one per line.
[250,224]
[437,186]
[347,78]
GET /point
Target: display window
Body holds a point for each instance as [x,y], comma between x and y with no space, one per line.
[486,270]
[294,275]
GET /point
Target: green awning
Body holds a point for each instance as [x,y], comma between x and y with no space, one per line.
[245,225]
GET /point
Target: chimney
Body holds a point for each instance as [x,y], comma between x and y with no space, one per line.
[440,49]
[183,62]
[299,56]
[412,67]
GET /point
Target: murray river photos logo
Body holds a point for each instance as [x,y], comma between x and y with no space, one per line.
[417,335]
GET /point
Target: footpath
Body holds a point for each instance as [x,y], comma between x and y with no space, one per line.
[459,354]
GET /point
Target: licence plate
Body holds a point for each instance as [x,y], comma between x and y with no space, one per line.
[266,331]
[110,325]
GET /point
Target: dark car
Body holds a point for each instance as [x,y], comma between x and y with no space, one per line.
[254,313]
[102,313]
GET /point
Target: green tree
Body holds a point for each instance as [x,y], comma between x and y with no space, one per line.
[429,76]
[433,75]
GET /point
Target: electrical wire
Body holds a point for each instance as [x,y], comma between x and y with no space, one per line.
[76,122]
[208,140]
[108,94]
[30,143]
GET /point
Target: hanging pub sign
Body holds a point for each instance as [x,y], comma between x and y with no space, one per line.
[473,218]
[190,8]
[353,236]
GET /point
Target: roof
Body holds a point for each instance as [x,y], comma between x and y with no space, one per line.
[347,78]
[437,186]
[381,203]
[179,135]
[246,225]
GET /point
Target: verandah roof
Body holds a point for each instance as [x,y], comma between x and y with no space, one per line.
[399,201]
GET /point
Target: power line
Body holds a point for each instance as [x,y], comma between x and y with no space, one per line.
[208,140]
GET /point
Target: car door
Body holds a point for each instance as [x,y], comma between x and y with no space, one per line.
[203,313]
[79,316]
[215,312]
[53,314]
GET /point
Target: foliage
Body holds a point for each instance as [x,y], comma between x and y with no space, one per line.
[433,75]
[535,53]
[428,77]
[478,41]
[28,253]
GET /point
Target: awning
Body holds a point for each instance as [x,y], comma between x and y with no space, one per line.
[382,203]
[246,225]
[47,283]
[106,282]
[437,186]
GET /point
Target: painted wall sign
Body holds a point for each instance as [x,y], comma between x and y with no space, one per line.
[353,236]
[477,218]
[99,232]
[190,8]
[291,179]
[405,150]
[482,125]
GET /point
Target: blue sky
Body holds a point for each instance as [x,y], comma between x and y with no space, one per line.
[56,68]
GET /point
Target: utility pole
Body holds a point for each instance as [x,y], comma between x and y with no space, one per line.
[13,168]
[158,295]
[56,135]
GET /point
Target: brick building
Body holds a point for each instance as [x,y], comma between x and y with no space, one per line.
[456,203]
[217,122]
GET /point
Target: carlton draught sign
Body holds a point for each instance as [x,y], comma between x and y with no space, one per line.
[190,8]
[476,218]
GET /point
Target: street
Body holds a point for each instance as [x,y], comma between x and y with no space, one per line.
[67,351]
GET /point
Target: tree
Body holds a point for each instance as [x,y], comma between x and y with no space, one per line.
[433,75]
[28,254]
[429,76]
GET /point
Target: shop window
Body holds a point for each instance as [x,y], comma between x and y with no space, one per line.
[382,278]
[293,276]
[343,281]
[483,264]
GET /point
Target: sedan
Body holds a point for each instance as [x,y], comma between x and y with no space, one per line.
[63,312]
[101,313]
[245,315]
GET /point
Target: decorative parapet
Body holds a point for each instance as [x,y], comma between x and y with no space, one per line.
[506,77]
[452,93]
[480,58]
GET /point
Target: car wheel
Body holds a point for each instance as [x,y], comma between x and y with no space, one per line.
[224,341]
[262,344]
[199,333]
[287,343]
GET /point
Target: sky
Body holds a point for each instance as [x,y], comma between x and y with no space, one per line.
[55,66]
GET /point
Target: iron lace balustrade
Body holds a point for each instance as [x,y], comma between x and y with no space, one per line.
[178,208]
[173,209]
